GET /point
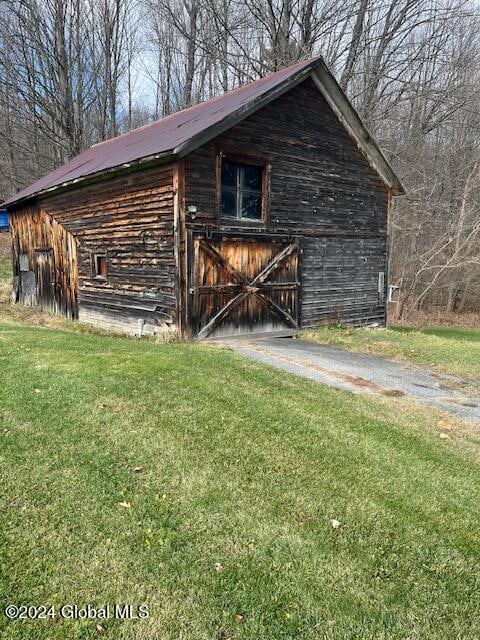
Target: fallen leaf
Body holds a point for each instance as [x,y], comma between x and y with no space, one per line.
[218,567]
[37,391]
[239,618]
[444,436]
[126,505]
[443,424]
[137,469]
[99,628]
[335,524]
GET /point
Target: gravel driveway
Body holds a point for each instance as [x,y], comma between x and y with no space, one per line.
[361,373]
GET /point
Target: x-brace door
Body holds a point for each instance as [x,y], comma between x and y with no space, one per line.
[243,286]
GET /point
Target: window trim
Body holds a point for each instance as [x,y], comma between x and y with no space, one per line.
[94,265]
[256,161]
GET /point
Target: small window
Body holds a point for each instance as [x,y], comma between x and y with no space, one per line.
[241,191]
[99,265]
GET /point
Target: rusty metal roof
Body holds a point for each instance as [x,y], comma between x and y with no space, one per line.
[163,137]
[178,134]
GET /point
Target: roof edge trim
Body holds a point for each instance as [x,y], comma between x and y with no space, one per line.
[352,122]
[105,174]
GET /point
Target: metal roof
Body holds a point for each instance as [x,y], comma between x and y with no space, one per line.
[177,134]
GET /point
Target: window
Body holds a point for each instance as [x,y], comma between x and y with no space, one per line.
[99,265]
[242,186]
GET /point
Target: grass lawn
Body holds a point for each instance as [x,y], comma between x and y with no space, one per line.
[454,350]
[203,484]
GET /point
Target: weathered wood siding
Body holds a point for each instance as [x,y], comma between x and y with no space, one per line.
[130,219]
[243,286]
[322,191]
[44,262]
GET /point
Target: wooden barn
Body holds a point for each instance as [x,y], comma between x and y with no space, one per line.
[263,210]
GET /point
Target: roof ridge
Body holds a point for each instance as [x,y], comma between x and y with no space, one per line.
[207,102]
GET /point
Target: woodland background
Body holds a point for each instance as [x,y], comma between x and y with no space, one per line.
[75,72]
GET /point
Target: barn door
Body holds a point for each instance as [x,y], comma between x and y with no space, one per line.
[243,286]
[45,279]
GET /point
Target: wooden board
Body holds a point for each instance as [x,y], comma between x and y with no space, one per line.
[44,262]
[129,219]
[45,279]
[243,285]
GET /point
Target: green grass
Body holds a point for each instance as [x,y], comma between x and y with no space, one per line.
[5,266]
[5,257]
[188,478]
[451,350]
[5,271]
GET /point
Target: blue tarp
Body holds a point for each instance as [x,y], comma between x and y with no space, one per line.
[3,220]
